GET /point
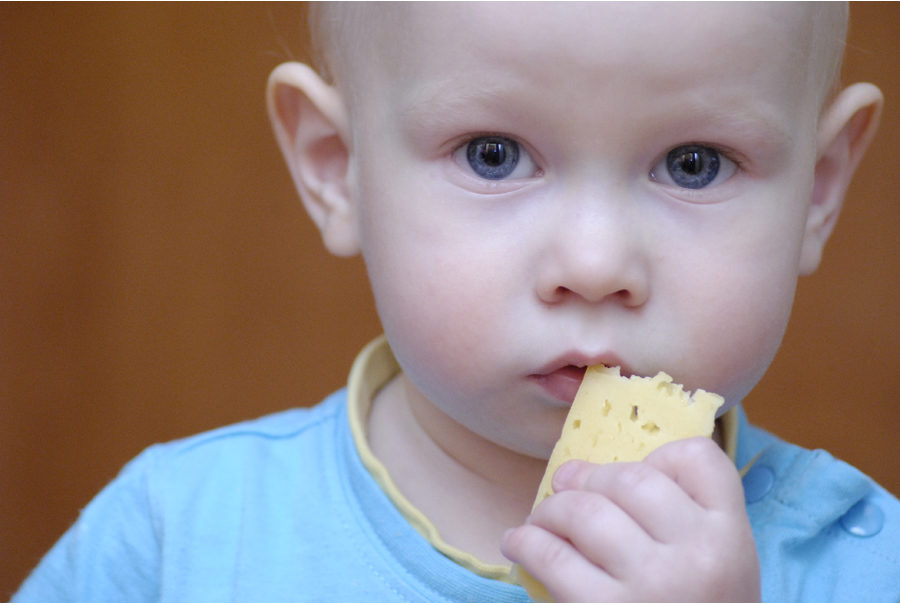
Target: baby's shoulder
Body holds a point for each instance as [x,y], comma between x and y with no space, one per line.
[283,425]
[182,517]
[824,530]
[255,448]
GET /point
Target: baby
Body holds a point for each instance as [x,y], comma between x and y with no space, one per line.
[535,188]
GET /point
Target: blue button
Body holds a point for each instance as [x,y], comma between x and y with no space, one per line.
[863,520]
[758,482]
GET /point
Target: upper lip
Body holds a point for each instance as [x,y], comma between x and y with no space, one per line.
[580,359]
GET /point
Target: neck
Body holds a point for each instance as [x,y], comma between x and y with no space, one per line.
[471,488]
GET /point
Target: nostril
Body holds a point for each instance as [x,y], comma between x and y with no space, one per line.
[560,282]
[561,293]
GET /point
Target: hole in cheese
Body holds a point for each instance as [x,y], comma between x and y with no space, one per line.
[650,427]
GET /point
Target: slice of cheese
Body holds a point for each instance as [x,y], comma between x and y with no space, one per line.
[617,419]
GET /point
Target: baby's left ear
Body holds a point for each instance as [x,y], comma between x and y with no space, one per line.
[845,130]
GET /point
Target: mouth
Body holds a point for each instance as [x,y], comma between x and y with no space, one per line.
[562,383]
[561,379]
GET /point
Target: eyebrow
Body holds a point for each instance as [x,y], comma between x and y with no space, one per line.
[436,106]
[753,126]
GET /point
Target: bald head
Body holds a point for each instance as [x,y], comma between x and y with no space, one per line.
[354,40]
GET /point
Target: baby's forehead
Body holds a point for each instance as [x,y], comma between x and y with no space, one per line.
[366,41]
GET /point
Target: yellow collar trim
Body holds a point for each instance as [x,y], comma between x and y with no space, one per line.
[374,368]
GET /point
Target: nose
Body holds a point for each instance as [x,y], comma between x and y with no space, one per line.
[595,249]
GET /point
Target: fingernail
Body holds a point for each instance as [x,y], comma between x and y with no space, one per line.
[565,474]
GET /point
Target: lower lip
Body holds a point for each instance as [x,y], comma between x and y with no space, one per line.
[562,384]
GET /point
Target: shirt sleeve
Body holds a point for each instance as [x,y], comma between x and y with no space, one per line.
[112,551]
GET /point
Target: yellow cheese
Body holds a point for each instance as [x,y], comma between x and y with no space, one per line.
[616,419]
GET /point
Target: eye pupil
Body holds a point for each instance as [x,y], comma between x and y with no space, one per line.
[692,163]
[493,154]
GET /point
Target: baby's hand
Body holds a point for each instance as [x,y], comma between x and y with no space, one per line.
[670,528]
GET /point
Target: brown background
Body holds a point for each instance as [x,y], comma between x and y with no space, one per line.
[158,276]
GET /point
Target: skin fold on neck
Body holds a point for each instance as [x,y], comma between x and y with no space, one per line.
[470,488]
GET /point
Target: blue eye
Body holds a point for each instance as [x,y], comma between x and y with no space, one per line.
[693,166]
[493,157]
[496,158]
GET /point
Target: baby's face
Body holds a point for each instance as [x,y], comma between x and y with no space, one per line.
[543,187]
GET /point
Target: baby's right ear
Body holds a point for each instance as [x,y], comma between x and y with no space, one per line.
[311,125]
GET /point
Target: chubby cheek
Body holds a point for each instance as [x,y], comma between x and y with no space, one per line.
[738,344]
[441,309]
[737,330]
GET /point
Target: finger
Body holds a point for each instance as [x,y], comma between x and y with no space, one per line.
[599,529]
[652,499]
[556,564]
[703,471]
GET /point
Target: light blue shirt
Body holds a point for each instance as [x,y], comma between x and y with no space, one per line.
[824,531]
[282,509]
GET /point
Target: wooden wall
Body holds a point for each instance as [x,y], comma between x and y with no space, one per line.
[158,276]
